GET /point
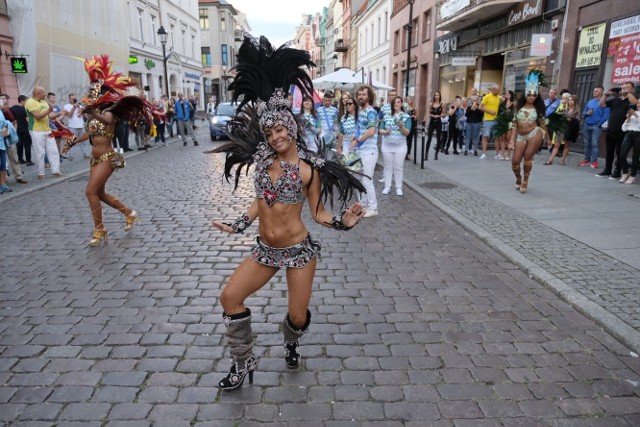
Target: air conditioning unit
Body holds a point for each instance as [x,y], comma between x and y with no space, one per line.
[554,24]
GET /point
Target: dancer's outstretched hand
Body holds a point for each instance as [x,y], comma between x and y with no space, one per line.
[222,227]
[352,215]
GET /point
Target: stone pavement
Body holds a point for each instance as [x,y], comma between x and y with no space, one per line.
[415,320]
[577,233]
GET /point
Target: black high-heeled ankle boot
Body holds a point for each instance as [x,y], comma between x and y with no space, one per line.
[291,336]
[240,340]
[236,375]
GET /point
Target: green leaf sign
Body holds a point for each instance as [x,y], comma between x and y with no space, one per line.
[19,65]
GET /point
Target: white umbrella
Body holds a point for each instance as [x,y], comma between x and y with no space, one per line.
[346,79]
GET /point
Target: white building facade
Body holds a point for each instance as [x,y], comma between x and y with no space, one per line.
[183,52]
[373,44]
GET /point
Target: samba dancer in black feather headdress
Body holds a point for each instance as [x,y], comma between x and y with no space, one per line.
[265,133]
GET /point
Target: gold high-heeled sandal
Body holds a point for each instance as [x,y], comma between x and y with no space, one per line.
[131,219]
[99,234]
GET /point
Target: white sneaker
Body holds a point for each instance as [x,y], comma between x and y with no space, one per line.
[484,156]
[386,190]
[498,157]
[399,192]
[624,178]
[370,213]
[381,180]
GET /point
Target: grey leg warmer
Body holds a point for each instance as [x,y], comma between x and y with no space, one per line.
[239,336]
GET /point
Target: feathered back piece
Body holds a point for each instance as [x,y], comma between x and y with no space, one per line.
[107,91]
[263,77]
[99,69]
[535,79]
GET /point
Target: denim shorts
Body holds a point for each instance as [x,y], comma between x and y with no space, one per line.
[487,127]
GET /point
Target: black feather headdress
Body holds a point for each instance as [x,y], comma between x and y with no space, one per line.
[260,86]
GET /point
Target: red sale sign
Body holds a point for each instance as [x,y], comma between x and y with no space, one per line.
[626,66]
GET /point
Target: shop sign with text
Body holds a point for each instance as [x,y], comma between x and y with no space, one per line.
[463,61]
[525,11]
[626,66]
[590,46]
[448,45]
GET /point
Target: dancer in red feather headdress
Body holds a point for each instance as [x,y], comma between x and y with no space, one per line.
[104,105]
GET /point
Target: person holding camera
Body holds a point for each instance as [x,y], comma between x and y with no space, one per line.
[618,104]
[631,128]
[75,123]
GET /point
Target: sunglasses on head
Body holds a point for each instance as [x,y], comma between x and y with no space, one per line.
[349,103]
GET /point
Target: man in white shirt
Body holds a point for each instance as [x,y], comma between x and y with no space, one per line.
[75,123]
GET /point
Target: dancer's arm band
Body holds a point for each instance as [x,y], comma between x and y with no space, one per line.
[242,223]
[336,222]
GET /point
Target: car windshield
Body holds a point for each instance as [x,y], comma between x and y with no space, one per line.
[225,110]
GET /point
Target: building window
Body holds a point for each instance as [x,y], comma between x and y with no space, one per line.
[193,45]
[415,35]
[153,29]
[426,26]
[396,42]
[206,55]
[378,32]
[225,54]
[184,42]
[405,36]
[171,33]
[223,21]
[386,26]
[204,19]
[384,75]
[141,24]
[366,40]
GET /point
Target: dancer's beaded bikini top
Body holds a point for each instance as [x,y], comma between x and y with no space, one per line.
[95,127]
[526,115]
[287,188]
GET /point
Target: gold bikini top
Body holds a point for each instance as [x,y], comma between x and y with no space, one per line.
[95,127]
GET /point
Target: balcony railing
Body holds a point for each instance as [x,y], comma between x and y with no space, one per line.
[340,46]
[452,18]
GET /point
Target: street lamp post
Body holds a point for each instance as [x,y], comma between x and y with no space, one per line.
[163,40]
[409,30]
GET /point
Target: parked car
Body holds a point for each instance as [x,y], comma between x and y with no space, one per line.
[218,122]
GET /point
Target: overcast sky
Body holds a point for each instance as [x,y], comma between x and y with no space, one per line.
[277,19]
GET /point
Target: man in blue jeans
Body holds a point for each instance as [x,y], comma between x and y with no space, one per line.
[183,117]
[594,117]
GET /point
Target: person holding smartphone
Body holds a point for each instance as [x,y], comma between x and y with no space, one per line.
[75,123]
[618,104]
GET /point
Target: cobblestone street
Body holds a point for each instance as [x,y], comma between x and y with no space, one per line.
[415,321]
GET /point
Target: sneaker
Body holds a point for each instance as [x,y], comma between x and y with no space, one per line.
[630,180]
[386,191]
[615,175]
[58,175]
[623,178]
[584,163]
[475,153]
[498,157]
[399,192]
[603,174]
[466,152]
[195,143]
[594,165]
[381,180]
[370,213]
[184,144]
[456,152]
[484,156]
[30,164]
[6,189]
[41,177]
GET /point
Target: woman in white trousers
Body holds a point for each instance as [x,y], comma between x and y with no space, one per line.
[394,128]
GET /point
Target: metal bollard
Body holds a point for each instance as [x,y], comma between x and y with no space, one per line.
[423,140]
